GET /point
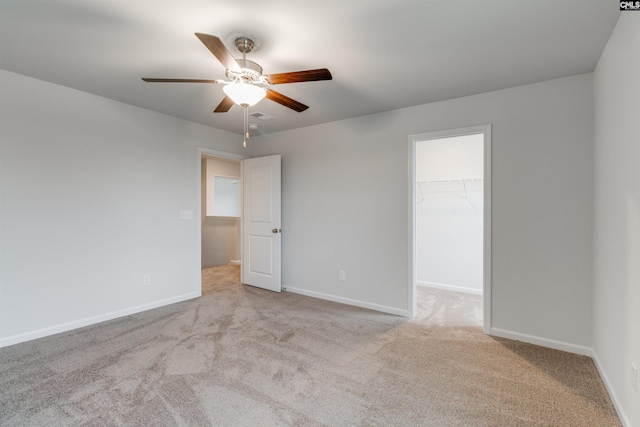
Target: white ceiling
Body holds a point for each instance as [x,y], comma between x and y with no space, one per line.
[383,54]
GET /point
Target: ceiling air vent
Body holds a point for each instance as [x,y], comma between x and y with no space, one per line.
[261,116]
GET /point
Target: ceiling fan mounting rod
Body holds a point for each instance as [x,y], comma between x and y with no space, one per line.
[244,45]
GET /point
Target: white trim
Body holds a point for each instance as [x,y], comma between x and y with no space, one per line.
[347,301]
[412,303]
[544,342]
[449,287]
[64,327]
[486,292]
[220,154]
[624,419]
[487,221]
[223,155]
[241,221]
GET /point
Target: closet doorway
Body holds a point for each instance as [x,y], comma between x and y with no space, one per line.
[451,216]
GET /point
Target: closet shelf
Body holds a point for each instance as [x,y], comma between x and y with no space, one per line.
[451,181]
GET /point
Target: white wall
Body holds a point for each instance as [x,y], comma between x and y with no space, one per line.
[90,196]
[217,166]
[451,158]
[220,235]
[616,332]
[345,205]
[449,215]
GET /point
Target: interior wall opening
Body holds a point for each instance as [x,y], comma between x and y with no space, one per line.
[221,219]
[450,223]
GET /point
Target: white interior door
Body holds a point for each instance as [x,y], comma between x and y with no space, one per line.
[261,222]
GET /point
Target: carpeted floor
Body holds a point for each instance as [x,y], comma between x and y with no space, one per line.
[241,356]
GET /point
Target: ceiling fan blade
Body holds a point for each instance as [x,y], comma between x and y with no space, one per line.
[285,100]
[215,46]
[224,105]
[150,80]
[300,76]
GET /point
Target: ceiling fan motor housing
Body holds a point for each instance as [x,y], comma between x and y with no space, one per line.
[250,72]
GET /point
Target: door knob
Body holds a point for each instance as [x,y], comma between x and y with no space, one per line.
[276,230]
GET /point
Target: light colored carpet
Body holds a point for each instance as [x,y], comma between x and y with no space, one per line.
[241,356]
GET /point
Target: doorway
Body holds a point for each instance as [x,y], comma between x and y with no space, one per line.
[220,216]
[254,230]
[450,214]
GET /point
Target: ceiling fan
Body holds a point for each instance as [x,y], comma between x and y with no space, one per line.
[247,84]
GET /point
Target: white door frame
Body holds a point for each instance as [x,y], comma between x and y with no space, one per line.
[486,279]
[223,155]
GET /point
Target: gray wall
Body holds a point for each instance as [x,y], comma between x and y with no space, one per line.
[90,197]
[220,235]
[345,205]
[616,332]
[220,241]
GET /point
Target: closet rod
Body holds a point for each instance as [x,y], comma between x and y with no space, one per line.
[449,181]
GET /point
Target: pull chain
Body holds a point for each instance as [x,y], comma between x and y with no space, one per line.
[246,126]
[246,109]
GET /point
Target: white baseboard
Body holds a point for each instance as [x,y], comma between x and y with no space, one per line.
[624,419]
[64,327]
[349,301]
[449,287]
[544,342]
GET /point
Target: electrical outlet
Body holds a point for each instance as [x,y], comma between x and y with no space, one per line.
[342,275]
[186,215]
[146,279]
[634,377]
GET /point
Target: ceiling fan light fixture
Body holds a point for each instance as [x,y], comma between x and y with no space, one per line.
[244,94]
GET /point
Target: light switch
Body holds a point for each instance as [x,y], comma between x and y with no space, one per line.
[186,215]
